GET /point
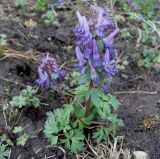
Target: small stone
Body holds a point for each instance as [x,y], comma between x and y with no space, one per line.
[140,155]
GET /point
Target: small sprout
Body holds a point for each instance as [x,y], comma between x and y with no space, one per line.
[26,98]
[41,4]
[48,16]
[22,139]
[5,143]
[21,3]
[17,129]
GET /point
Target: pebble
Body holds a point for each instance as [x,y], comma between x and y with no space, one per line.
[140,155]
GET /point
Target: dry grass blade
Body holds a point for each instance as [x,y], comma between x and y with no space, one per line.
[28,55]
[107,150]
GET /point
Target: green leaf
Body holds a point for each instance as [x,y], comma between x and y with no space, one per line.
[9,142]
[58,121]
[114,120]
[26,98]
[114,102]
[79,111]
[18,101]
[74,140]
[95,96]
[21,3]
[28,92]
[78,123]
[101,134]
[35,102]
[49,17]
[82,90]
[84,78]
[41,4]
[17,129]
[75,76]
[22,139]
[77,142]
[4,152]
[51,126]
[104,109]
[54,140]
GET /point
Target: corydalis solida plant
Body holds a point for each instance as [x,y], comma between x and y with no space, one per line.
[95,50]
[88,107]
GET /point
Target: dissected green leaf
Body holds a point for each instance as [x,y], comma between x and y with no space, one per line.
[114,102]
[75,141]
[17,129]
[22,139]
[29,91]
[26,98]
[18,101]
[101,134]
[21,3]
[49,17]
[4,152]
[95,96]
[41,4]
[82,90]
[104,109]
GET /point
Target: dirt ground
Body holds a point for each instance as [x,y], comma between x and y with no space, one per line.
[137,90]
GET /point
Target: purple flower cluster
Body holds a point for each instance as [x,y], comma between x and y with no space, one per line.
[49,72]
[94,40]
[61,1]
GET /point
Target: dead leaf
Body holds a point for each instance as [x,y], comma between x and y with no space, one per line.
[30,24]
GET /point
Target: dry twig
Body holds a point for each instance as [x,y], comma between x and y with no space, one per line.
[136,92]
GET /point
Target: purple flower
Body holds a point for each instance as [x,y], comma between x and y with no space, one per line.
[95,50]
[108,41]
[94,74]
[96,55]
[82,31]
[48,72]
[43,80]
[80,58]
[61,1]
[109,65]
[103,22]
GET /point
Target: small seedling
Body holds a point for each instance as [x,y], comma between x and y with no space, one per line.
[5,143]
[41,4]
[26,98]
[48,16]
[21,140]
[17,129]
[23,137]
[21,3]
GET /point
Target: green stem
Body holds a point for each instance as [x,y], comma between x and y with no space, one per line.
[88,102]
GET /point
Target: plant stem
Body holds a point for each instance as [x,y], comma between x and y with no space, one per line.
[88,102]
[62,94]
